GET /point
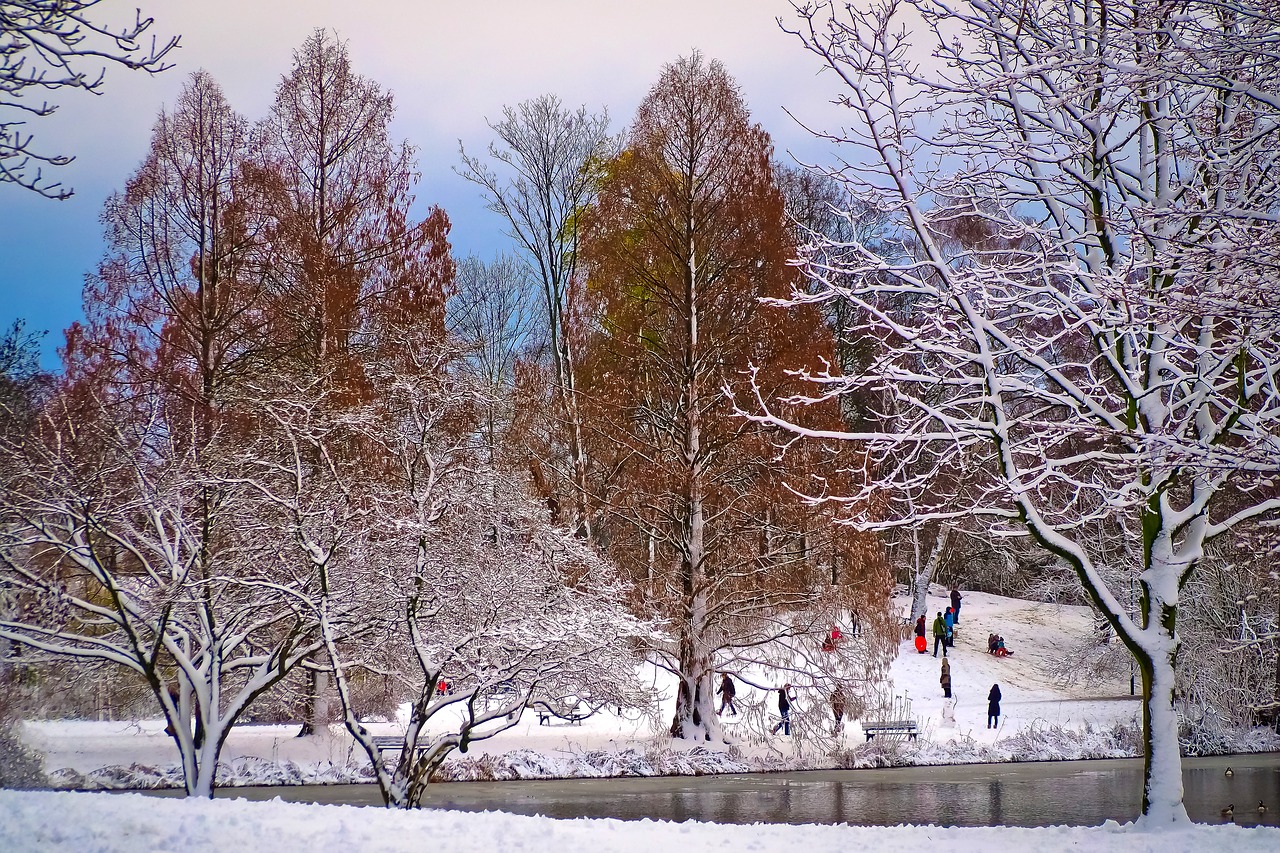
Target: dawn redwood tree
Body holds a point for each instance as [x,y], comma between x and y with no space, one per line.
[687,235]
[1109,345]
[346,265]
[550,159]
[340,235]
[176,303]
[48,45]
[173,315]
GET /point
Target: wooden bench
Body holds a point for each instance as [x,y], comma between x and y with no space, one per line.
[388,743]
[891,727]
[546,712]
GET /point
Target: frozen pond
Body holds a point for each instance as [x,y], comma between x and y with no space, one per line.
[1080,793]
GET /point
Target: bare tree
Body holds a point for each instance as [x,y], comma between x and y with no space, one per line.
[494,316]
[102,546]
[47,45]
[1108,342]
[552,157]
[436,571]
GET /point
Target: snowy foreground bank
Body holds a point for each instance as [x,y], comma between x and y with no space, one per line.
[65,822]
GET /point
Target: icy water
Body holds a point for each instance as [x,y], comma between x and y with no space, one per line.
[1078,793]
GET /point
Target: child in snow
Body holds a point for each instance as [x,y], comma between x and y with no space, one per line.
[995,646]
[950,621]
[945,680]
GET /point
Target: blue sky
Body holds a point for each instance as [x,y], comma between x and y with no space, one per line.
[450,65]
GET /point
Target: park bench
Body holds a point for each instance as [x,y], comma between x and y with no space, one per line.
[891,727]
[561,711]
[385,743]
[393,743]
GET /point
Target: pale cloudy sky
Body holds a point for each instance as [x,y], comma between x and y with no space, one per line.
[450,64]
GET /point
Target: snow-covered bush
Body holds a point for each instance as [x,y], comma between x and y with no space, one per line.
[20,765]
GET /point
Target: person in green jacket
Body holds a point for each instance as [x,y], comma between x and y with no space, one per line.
[939,635]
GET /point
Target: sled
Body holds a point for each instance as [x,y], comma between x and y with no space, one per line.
[921,644]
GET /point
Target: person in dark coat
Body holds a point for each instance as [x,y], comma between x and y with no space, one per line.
[945,680]
[955,602]
[727,691]
[784,710]
[922,647]
[993,707]
[939,635]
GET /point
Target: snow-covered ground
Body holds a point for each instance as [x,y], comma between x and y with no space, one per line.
[1039,634]
[1033,701]
[65,822]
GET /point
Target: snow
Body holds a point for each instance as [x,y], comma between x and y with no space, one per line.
[1039,634]
[124,823]
[1041,719]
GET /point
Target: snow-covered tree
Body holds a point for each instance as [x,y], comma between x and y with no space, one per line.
[1105,343]
[437,569]
[52,45]
[102,547]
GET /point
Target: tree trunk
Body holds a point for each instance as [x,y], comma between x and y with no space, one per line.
[315,713]
[695,716]
[924,574]
[1162,791]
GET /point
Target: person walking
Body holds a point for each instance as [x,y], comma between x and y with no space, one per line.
[939,635]
[956,598]
[945,680]
[784,710]
[993,707]
[949,618]
[922,645]
[727,691]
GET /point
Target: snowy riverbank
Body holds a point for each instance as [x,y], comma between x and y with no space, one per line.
[1044,719]
[125,823]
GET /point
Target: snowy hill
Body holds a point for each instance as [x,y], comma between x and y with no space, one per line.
[1040,637]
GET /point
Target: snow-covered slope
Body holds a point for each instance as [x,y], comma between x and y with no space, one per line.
[1040,636]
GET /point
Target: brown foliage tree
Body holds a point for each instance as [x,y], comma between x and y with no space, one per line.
[358,288]
[175,304]
[687,237]
[348,267]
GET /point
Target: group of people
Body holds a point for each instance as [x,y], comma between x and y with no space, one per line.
[727,691]
[944,626]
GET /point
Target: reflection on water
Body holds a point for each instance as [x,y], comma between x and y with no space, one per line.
[1081,793]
